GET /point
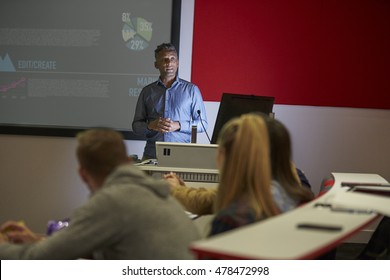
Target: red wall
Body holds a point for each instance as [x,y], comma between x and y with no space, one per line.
[303,52]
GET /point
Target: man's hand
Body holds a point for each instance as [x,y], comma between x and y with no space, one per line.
[164,125]
[17,232]
[3,238]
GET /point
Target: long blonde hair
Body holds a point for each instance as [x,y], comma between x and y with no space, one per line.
[246,168]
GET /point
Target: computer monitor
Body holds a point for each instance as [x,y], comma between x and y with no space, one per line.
[233,105]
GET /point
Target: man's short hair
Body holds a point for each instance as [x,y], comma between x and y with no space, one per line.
[164,47]
[100,151]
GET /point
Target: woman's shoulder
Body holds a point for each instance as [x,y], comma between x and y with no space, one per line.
[237,214]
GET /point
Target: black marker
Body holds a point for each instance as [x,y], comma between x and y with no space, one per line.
[319,227]
[352,184]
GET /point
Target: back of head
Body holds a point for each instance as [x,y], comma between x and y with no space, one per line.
[283,169]
[246,167]
[280,144]
[100,151]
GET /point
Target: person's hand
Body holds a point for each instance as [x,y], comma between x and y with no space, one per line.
[18,232]
[3,238]
[164,125]
[174,180]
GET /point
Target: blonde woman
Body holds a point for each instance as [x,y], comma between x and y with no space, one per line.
[290,187]
[244,193]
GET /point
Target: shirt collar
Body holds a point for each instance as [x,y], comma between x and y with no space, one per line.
[177,80]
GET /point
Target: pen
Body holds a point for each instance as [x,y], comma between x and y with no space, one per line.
[352,184]
[319,227]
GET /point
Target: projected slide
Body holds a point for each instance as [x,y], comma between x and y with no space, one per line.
[78,63]
[136,32]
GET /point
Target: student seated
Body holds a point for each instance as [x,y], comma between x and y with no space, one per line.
[286,189]
[290,187]
[128,216]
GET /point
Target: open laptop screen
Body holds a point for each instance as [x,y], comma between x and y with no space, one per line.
[233,105]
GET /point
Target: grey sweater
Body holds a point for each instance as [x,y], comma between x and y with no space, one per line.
[131,217]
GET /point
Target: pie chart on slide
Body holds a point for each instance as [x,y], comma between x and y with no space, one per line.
[137,33]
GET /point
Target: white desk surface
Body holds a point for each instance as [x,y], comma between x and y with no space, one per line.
[280,238]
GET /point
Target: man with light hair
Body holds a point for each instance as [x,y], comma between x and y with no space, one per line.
[128,216]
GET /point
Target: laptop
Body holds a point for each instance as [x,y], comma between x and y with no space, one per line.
[186,155]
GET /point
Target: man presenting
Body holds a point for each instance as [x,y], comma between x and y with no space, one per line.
[168,108]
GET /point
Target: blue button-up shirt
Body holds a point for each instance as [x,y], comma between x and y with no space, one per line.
[181,102]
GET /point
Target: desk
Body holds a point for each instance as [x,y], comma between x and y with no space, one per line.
[194,177]
[280,238]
